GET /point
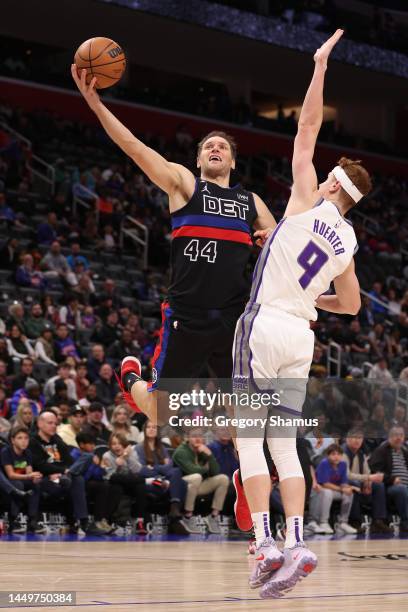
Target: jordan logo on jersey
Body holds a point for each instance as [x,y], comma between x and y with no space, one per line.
[205,188]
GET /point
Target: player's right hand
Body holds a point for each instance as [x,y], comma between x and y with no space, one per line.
[88,91]
[322,54]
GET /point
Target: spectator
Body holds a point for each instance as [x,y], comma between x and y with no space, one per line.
[108,333]
[26,371]
[30,391]
[122,468]
[94,363]
[202,474]
[124,347]
[75,257]
[63,373]
[391,459]
[224,452]
[70,315]
[105,495]
[17,344]
[44,347]
[94,424]
[36,323]
[371,486]
[106,385]
[16,317]
[64,344]
[380,373]
[121,423]
[4,404]
[331,474]
[81,381]
[399,418]
[376,426]
[162,478]
[27,276]
[10,255]
[69,431]
[319,439]
[5,379]
[110,291]
[47,232]
[24,416]
[55,266]
[16,461]
[61,475]
[60,395]
[377,309]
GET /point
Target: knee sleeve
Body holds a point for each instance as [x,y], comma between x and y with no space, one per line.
[252,460]
[284,454]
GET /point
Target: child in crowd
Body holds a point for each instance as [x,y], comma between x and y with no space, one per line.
[16,461]
[105,494]
[122,468]
[331,475]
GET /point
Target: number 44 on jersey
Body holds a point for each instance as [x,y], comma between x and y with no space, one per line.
[208,251]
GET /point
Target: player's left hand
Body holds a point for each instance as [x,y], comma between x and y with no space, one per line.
[262,236]
[322,54]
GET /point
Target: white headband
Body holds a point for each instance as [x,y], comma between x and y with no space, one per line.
[347,184]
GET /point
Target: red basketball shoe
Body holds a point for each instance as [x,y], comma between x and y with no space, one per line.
[129,364]
[241,508]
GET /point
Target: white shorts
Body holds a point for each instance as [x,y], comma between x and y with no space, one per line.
[271,345]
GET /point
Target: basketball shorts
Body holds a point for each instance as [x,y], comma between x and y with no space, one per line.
[188,345]
[272,352]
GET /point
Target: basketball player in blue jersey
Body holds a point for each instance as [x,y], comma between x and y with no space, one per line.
[312,246]
[211,246]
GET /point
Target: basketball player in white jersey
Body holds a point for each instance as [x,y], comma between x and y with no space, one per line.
[312,246]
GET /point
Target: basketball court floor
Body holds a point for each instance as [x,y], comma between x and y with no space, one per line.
[160,574]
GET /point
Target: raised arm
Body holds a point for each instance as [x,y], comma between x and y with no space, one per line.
[347,299]
[174,179]
[305,183]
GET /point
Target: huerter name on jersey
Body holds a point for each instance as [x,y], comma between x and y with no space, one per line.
[225,208]
[325,231]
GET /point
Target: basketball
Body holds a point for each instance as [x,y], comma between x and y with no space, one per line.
[102,58]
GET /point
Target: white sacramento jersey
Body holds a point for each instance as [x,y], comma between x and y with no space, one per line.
[301,258]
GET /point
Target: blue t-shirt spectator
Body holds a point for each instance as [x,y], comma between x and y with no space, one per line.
[327,472]
[226,457]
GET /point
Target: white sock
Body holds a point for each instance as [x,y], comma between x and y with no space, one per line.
[294,531]
[260,522]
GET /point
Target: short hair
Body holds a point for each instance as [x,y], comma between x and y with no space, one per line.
[123,441]
[230,139]
[394,428]
[14,431]
[85,438]
[355,432]
[334,448]
[358,176]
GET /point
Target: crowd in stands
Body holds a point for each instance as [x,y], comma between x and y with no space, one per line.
[68,315]
[379,26]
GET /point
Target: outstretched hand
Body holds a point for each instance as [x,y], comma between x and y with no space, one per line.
[88,91]
[262,236]
[322,54]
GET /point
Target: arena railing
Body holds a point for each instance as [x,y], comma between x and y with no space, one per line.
[43,172]
[85,202]
[134,234]
[334,352]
